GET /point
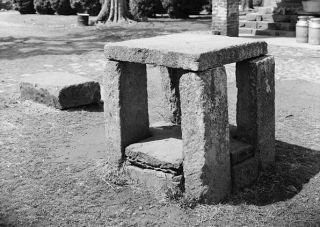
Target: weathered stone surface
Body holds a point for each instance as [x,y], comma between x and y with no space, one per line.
[239,151]
[170,78]
[196,52]
[125,105]
[205,134]
[244,173]
[225,17]
[60,90]
[253,17]
[163,150]
[255,106]
[157,182]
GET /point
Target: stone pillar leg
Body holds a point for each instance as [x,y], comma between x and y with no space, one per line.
[170,85]
[255,106]
[205,135]
[125,106]
[225,17]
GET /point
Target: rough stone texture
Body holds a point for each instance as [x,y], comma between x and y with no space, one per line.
[163,150]
[125,105]
[244,173]
[170,78]
[239,151]
[225,17]
[255,106]
[195,52]
[60,90]
[157,182]
[254,17]
[205,134]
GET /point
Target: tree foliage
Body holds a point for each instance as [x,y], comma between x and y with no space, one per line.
[144,8]
[91,7]
[62,7]
[43,7]
[24,6]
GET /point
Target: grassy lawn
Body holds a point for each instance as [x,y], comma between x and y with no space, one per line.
[53,168]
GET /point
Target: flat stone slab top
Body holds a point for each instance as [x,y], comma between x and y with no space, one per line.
[195,52]
[59,89]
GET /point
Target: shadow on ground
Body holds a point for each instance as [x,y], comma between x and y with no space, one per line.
[74,43]
[295,166]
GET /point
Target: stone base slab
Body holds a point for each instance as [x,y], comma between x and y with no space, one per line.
[60,90]
[157,182]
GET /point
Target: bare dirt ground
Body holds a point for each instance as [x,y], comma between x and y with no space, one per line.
[53,168]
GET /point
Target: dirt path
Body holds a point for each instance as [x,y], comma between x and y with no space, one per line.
[53,168]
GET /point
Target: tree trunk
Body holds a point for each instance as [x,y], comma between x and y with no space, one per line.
[114,11]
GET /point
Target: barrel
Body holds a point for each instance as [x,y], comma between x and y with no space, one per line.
[302,29]
[83,19]
[314,31]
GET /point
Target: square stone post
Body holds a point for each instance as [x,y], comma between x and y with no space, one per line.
[205,135]
[125,106]
[255,106]
[225,17]
[170,85]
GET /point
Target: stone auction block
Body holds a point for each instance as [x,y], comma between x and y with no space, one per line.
[244,173]
[255,106]
[189,51]
[205,135]
[161,151]
[60,90]
[158,182]
[125,106]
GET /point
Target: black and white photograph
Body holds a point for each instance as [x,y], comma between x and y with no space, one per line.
[159,113]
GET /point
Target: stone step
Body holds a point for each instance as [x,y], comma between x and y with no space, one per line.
[267,32]
[263,10]
[263,25]
[270,17]
[163,150]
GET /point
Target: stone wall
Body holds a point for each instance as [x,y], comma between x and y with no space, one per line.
[284,6]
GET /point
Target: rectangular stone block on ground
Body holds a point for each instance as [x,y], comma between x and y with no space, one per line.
[125,106]
[255,106]
[205,135]
[60,90]
[157,182]
[195,52]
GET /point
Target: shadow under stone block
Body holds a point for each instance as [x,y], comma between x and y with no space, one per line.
[125,106]
[255,106]
[244,173]
[60,90]
[205,135]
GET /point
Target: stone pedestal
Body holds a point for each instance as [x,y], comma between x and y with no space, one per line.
[125,106]
[225,17]
[205,134]
[255,106]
